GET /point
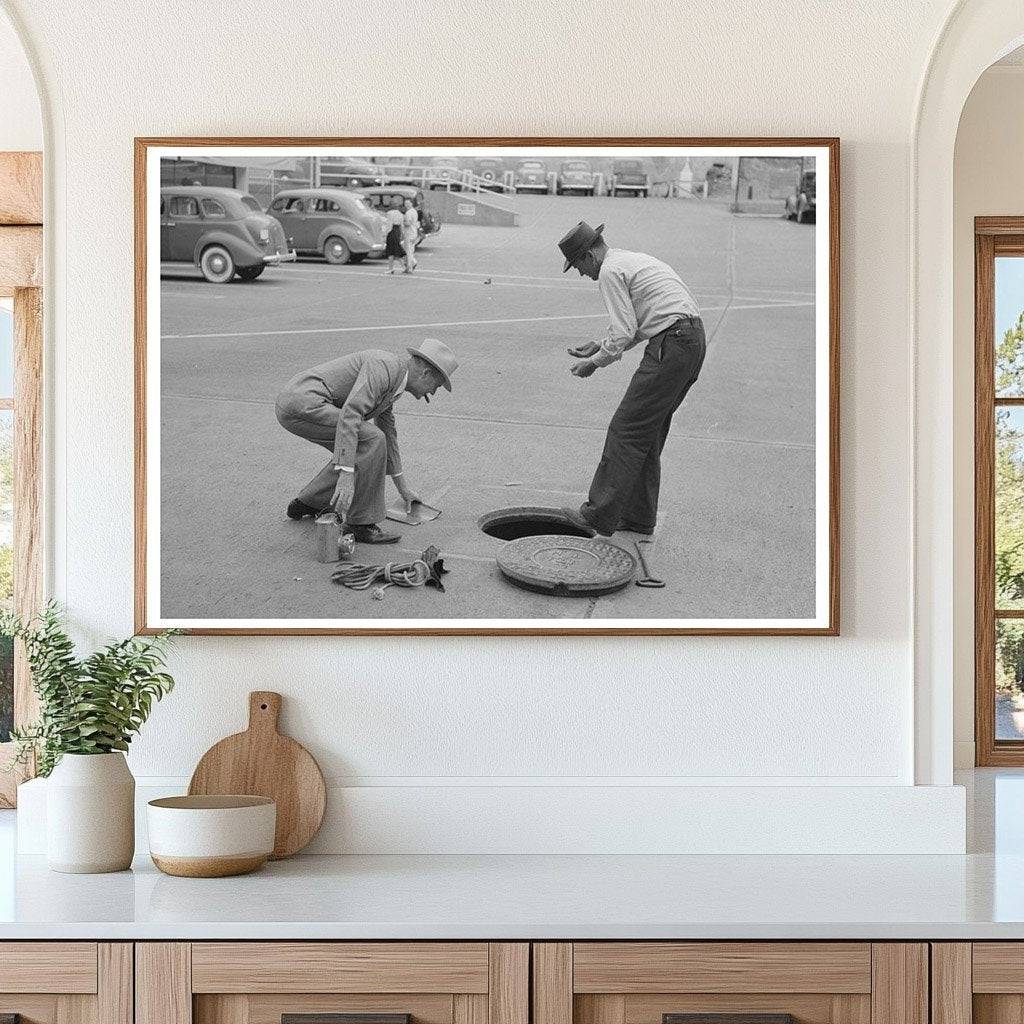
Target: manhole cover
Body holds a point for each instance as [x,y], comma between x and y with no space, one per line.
[566,566]
[529,521]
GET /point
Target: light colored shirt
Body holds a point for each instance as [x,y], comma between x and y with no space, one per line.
[412,223]
[395,216]
[643,296]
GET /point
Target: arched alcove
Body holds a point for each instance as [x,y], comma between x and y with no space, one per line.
[975,35]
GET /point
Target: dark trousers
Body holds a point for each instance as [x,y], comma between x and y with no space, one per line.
[624,492]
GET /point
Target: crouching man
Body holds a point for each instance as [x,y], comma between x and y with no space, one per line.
[346,406]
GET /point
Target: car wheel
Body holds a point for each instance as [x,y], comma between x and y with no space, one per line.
[251,273]
[217,265]
[336,250]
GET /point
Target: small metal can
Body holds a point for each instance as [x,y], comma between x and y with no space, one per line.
[327,537]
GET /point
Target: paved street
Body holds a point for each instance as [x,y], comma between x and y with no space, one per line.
[736,528]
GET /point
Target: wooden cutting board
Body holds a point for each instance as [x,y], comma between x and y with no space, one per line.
[262,762]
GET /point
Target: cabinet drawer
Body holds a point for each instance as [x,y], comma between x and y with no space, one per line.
[635,967]
[260,982]
[755,982]
[340,967]
[66,982]
[48,967]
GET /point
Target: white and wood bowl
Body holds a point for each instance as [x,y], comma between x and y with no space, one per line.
[211,836]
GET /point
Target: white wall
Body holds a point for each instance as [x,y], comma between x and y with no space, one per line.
[988,181]
[444,713]
[21,125]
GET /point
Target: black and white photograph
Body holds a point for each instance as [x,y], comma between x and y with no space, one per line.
[465,387]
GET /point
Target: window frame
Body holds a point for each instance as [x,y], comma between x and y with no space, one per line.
[21,260]
[993,237]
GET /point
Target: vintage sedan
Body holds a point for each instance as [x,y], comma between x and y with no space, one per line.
[444,172]
[575,176]
[348,173]
[334,223]
[802,205]
[629,178]
[385,196]
[531,176]
[221,231]
[491,172]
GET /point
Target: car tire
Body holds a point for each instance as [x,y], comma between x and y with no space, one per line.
[217,264]
[336,250]
[251,273]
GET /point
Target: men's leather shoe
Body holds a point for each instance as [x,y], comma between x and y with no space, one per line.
[299,509]
[580,521]
[372,534]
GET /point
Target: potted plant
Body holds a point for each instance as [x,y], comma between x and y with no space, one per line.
[89,709]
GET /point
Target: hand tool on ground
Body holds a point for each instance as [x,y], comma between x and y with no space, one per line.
[647,580]
[262,762]
[420,512]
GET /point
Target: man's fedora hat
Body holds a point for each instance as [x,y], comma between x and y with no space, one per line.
[578,241]
[440,357]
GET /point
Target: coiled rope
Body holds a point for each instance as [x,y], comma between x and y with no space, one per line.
[395,574]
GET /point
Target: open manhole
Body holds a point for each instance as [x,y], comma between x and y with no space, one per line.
[530,521]
[566,566]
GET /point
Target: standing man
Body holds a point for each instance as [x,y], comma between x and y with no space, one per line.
[345,405]
[646,302]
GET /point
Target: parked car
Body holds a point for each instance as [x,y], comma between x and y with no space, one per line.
[397,170]
[531,176]
[491,171]
[575,176]
[334,223]
[350,173]
[629,178]
[801,205]
[444,172]
[382,197]
[221,231]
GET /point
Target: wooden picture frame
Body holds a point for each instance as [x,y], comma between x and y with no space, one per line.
[825,619]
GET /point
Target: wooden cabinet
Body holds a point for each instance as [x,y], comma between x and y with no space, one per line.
[66,982]
[258,982]
[980,982]
[815,982]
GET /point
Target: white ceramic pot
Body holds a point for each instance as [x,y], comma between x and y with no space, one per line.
[211,836]
[90,814]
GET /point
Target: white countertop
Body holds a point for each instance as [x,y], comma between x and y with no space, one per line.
[532,897]
[978,896]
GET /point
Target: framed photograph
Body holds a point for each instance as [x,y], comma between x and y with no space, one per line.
[487,386]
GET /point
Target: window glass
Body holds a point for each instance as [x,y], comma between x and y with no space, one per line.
[327,206]
[531,165]
[213,209]
[278,204]
[6,567]
[6,349]
[295,206]
[576,165]
[1009,679]
[1009,327]
[184,206]
[1009,514]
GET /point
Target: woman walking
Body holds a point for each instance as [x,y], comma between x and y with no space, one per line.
[410,235]
[393,247]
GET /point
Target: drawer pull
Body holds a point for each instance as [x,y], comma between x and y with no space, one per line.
[341,1018]
[728,1018]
